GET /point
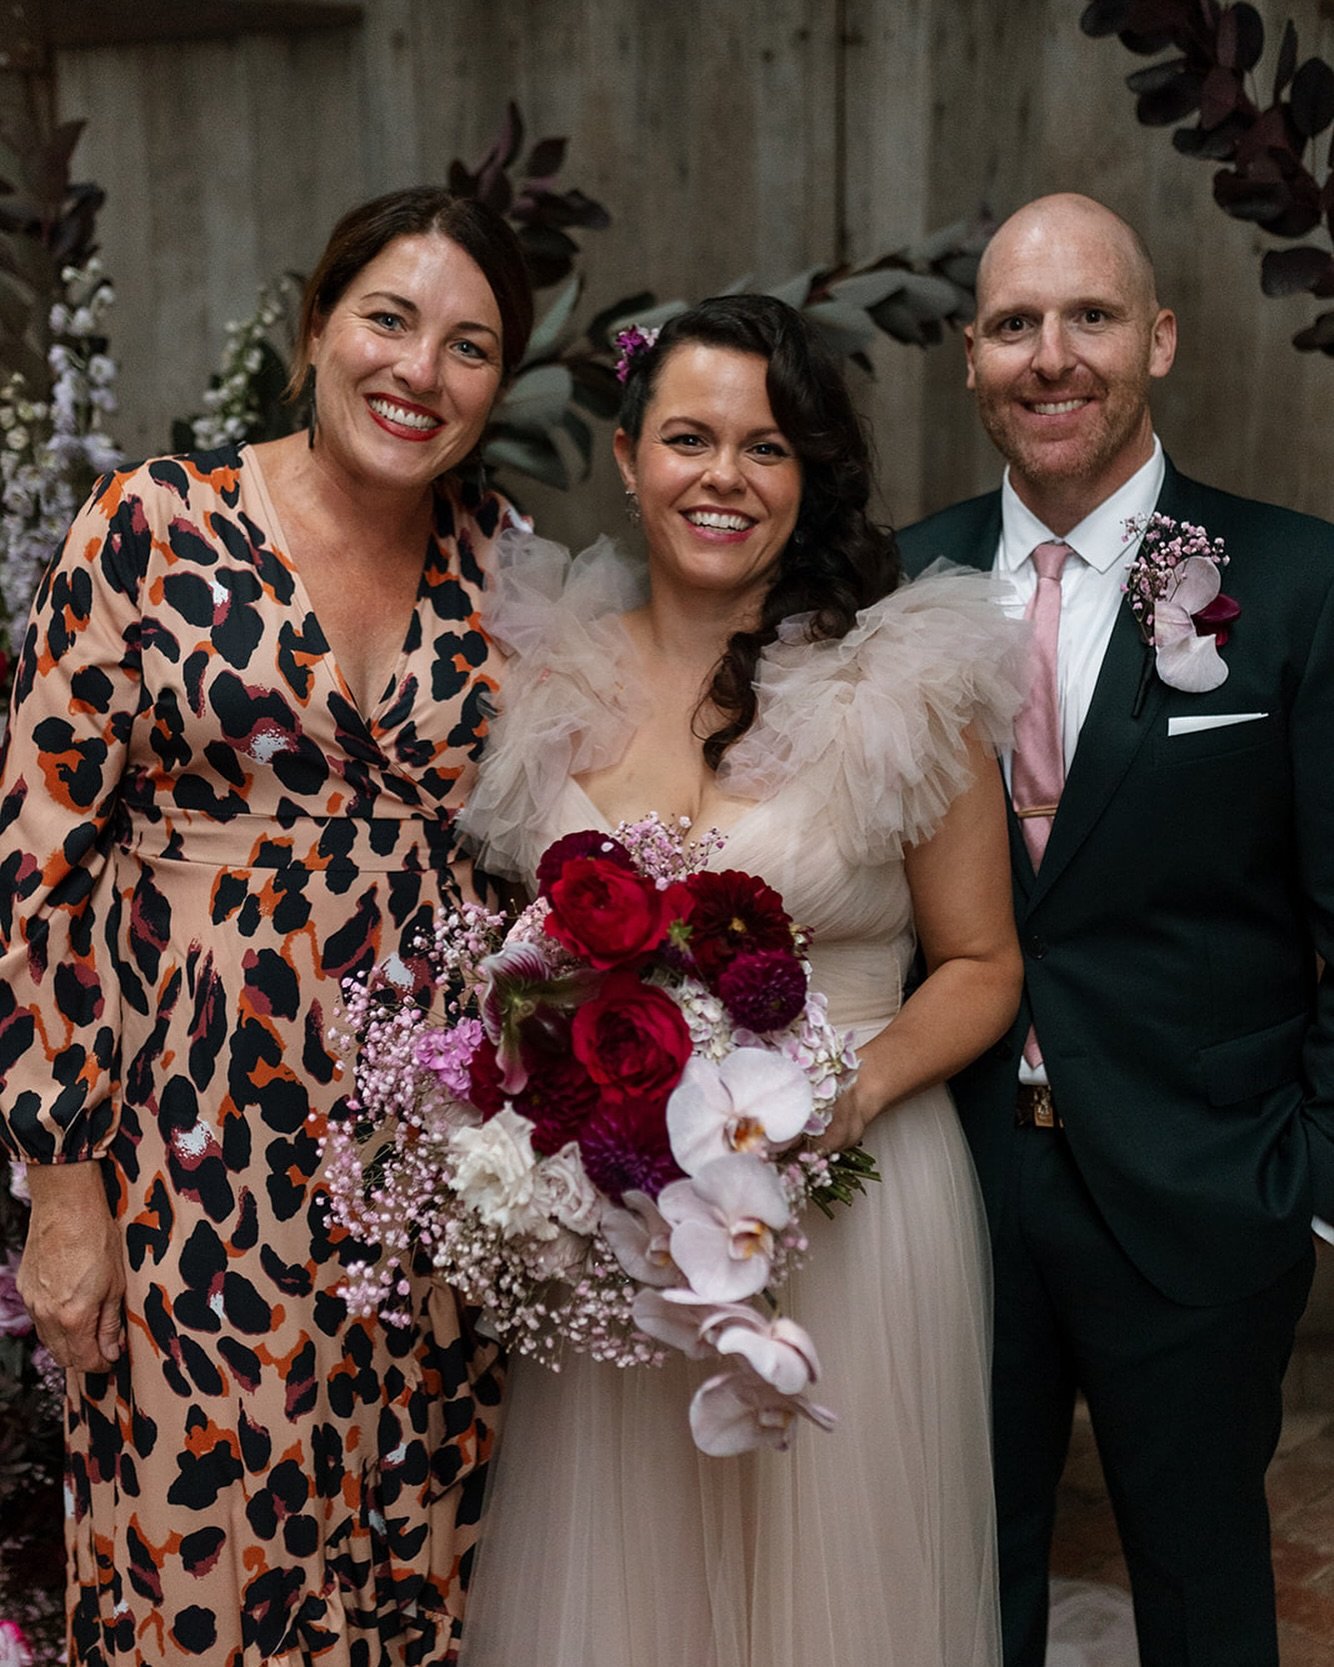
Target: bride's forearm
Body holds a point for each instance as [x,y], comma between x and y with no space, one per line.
[955,1014]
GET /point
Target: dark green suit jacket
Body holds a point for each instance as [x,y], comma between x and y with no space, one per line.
[1171,935]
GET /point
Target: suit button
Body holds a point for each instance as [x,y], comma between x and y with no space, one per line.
[1034,946]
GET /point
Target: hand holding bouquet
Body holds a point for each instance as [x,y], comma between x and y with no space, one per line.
[592,1126]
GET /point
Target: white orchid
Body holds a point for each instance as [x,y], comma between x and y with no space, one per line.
[688,1322]
[640,1238]
[1185,659]
[751,1101]
[723,1223]
[737,1411]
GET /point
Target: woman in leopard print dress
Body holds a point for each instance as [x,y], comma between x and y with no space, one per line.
[249,698]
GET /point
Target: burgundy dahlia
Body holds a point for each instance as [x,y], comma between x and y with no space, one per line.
[625,1146]
[484,1075]
[733,913]
[763,989]
[559,1097]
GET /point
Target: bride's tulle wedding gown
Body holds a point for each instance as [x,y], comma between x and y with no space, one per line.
[610,1540]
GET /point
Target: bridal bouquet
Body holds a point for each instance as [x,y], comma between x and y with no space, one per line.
[589,1120]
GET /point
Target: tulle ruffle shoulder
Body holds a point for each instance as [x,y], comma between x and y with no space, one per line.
[571,696]
[872,724]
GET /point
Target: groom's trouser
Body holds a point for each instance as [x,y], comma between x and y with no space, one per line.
[1186,1408]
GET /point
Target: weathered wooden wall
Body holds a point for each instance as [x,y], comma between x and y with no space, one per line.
[755,137]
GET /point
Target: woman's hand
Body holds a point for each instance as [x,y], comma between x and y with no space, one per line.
[72,1276]
[853,1110]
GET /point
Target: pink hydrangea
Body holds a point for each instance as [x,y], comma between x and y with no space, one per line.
[448,1053]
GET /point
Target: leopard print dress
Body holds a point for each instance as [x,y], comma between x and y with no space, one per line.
[200,836]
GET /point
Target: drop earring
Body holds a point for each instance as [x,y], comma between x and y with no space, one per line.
[632,514]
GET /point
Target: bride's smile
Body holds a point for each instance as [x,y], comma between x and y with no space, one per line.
[718,483]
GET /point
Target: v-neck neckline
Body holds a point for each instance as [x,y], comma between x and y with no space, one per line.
[281,547]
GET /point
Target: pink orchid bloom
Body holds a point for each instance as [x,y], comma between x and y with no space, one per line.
[748,1102]
[1186,660]
[689,1322]
[640,1238]
[777,1350]
[738,1411]
[723,1222]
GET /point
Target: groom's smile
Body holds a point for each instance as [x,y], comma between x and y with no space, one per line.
[1061,355]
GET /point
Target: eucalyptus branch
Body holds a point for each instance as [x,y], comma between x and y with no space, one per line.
[1274,174]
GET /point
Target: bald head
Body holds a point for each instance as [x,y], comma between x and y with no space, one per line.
[1067,339]
[1048,223]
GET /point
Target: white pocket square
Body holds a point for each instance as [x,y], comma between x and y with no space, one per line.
[1215,720]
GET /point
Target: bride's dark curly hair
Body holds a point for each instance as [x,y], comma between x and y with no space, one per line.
[837,560]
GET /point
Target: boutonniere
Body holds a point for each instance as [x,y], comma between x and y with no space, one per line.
[1174,586]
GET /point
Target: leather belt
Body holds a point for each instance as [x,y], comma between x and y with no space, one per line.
[1033,1108]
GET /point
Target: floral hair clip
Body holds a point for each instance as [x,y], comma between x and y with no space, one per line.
[632,343]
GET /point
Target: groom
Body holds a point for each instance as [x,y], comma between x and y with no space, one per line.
[1156,1134]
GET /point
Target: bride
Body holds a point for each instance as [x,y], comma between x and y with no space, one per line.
[761,674]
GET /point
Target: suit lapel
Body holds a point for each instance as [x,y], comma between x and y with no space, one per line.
[1110,737]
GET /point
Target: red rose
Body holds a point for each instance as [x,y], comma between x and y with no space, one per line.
[585,844]
[631,1039]
[733,914]
[606,913]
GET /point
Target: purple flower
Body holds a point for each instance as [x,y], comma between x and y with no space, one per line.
[763,989]
[447,1054]
[633,342]
[15,1320]
[625,1149]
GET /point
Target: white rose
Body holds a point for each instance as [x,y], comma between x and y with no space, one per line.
[495,1171]
[567,1193]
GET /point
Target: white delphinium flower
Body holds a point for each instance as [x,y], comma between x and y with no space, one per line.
[55,448]
[231,406]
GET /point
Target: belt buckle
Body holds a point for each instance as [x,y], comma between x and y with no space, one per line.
[1035,1108]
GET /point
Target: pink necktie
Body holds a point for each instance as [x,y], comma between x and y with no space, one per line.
[1037,769]
[1037,772]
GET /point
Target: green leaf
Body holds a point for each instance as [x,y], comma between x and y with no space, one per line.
[844,329]
[536,398]
[581,434]
[647,318]
[795,290]
[531,455]
[936,296]
[549,328]
[868,289]
[598,330]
